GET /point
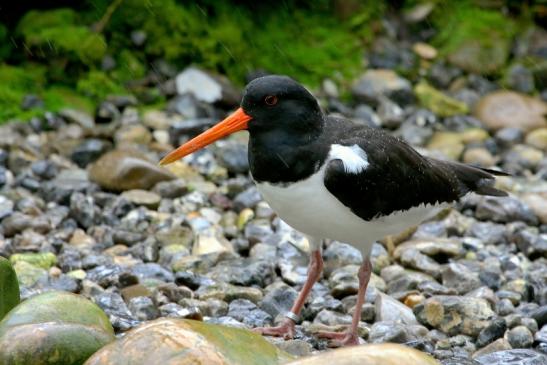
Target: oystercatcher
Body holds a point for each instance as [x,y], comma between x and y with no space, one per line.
[330,178]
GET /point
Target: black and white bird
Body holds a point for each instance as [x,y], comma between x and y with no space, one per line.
[330,178]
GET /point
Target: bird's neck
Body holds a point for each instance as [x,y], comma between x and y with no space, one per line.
[279,156]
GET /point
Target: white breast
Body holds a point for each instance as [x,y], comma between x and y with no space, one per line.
[309,207]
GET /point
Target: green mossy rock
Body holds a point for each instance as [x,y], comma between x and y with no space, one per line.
[43,260]
[29,274]
[53,328]
[9,287]
[377,354]
[474,39]
[439,103]
[170,341]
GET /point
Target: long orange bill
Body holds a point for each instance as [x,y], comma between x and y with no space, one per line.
[235,122]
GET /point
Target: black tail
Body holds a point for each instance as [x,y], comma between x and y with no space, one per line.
[475,179]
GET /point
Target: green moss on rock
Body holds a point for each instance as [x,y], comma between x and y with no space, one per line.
[438,102]
[475,39]
[43,260]
[54,328]
[9,287]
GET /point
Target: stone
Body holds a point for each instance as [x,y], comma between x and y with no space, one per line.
[509,136]
[376,83]
[206,87]
[339,254]
[391,310]
[142,197]
[513,357]
[299,348]
[455,315]
[424,50]
[500,344]
[29,275]
[53,325]
[450,144]
[494,331]
[537,138]
[480,56]
[247,312]
[143,308]
[228,292]
[479,157]
[278,300]
[245,272]
[185,341]
[43,260]
[120,170]
[439,103]
[381,332]
[520,78]
[79,117]
[504,210]
[369,354]
[502,109]
[89,150]
[116,309]
[132,134]
[460,278]
[520,337]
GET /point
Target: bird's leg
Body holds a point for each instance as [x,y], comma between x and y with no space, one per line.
[350,337]
[286,328]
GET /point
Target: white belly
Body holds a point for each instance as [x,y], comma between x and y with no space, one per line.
[310,208]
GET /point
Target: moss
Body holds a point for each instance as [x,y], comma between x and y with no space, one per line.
[15,83]
[97,85]
[57,34]
[9,287]
[231,38]
[129,67]
[475,39]
[58,97]
[5,44]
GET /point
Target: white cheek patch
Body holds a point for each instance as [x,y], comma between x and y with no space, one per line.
[353,157]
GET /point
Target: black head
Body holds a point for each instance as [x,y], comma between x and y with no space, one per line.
[280,103]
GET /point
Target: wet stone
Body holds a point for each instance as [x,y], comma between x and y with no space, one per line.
[117,311]
[278,300]
[520,337]
[248,313]
[513,357]
[460,278]
[495,330]
[381,332]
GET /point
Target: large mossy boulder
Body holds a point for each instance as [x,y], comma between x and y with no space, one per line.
[9,287]
[170,341]
[53,328]
[376,354]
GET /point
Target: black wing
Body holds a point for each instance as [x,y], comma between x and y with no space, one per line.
[399,178]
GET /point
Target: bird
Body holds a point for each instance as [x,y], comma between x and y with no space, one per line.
[330,178]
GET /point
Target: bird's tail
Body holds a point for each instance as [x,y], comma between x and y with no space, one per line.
[476,179]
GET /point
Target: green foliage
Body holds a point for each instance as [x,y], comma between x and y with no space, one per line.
[56,33]
[97,85]
[231,39]
[9,287]
[5,44]
[15,83]
[475,39]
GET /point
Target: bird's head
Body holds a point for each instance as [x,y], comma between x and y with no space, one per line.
[269,103]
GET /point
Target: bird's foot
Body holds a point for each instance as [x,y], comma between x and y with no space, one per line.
[340,339]
[285,330]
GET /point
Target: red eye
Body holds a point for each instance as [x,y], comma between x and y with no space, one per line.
[270,100]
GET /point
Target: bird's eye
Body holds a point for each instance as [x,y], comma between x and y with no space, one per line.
[270,100]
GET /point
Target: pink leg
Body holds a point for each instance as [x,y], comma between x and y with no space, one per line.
[350,337]
[286,328]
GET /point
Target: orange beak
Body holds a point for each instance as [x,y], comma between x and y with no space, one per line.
[235,122]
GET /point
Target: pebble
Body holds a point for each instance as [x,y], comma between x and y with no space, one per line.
[520,337]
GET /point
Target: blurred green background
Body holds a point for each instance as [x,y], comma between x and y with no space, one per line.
[77,54]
